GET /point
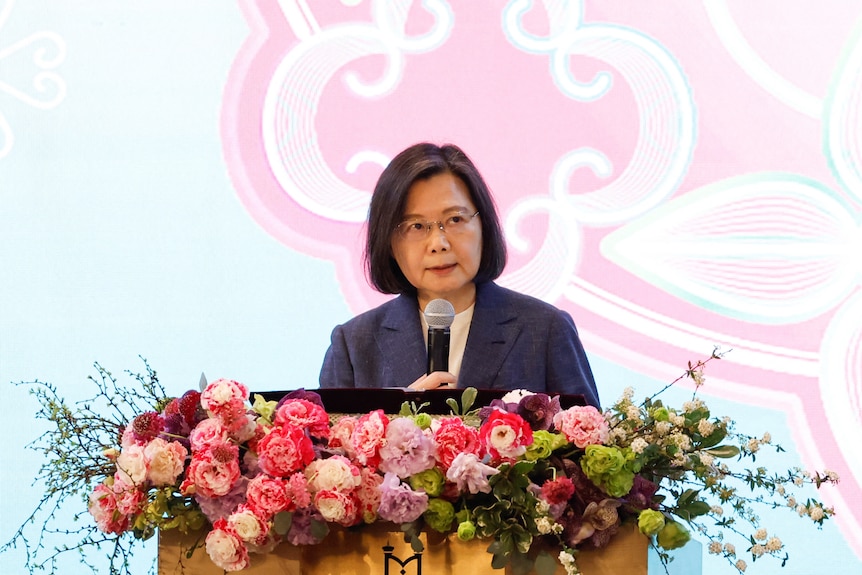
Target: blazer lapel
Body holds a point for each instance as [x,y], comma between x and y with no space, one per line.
[400,341]
[493,332]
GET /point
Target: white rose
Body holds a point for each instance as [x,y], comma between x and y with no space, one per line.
[226,551]
[247,525]
[165,461]
[132,465]
[333,474]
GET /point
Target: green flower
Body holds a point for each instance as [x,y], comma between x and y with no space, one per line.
[607,468]
[430,481]
[466,530]
[650,521]
[439,515]
[422,420]
[265,408]
[673,536]
[544,443]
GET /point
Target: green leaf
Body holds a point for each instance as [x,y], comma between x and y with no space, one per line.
[416,544]
[282,522]
[545,564]
[687,497]
[453,405]
[713,439]
[468,398]
[724,451]
[521,564]
[319,529]
[698,508]
[499,561]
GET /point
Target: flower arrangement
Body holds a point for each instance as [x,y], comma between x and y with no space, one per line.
[523,469]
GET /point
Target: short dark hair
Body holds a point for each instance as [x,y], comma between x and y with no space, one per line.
[421,162]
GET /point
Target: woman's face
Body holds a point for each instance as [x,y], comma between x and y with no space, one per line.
[441,264]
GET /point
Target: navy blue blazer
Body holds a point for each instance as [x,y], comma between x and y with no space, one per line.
[515,342]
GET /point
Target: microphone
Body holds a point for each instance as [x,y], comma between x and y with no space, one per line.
[439,314]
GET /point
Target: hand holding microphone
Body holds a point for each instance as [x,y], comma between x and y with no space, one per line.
[439,314]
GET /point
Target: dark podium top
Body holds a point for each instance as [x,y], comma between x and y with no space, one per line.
[365,400]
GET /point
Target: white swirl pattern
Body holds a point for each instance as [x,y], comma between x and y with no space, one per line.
[841,381]
[752,64]
[47,88]
[546,273]
[843,118]
[767,248]
[290,109]
[666,134]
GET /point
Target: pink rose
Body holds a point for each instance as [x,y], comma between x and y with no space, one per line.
[236,419]
[339,435]
[207,433]
[222,392]
[165,460]
[225,548]
[129,499]
[368,436]
[284,451]
[212,472]
[368,494]
[506,435]
[103,508]
[268,495]
[304,414]
[336,507]
[298,491]
[582,425]
[452,436]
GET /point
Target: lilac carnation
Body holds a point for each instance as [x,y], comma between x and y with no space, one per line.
[470,474]
[300,526]
[399,503]
[407,450]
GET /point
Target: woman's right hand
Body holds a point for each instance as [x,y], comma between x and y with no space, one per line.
[434,380]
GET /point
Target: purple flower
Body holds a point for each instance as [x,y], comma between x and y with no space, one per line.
[216,508]
[399,503]
[640,497]
[539,410]
[470,474]
[485,412]
[300,526]
[301,394]
[407,450]
[176,429]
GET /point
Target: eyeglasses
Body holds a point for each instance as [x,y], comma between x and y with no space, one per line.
[416,230]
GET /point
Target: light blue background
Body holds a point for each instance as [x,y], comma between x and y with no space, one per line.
[120,235]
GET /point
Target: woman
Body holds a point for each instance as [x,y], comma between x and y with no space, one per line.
[433,233]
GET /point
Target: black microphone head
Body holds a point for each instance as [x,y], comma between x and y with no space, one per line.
[439,314]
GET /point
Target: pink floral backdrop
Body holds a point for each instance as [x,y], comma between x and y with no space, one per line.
[677,175]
